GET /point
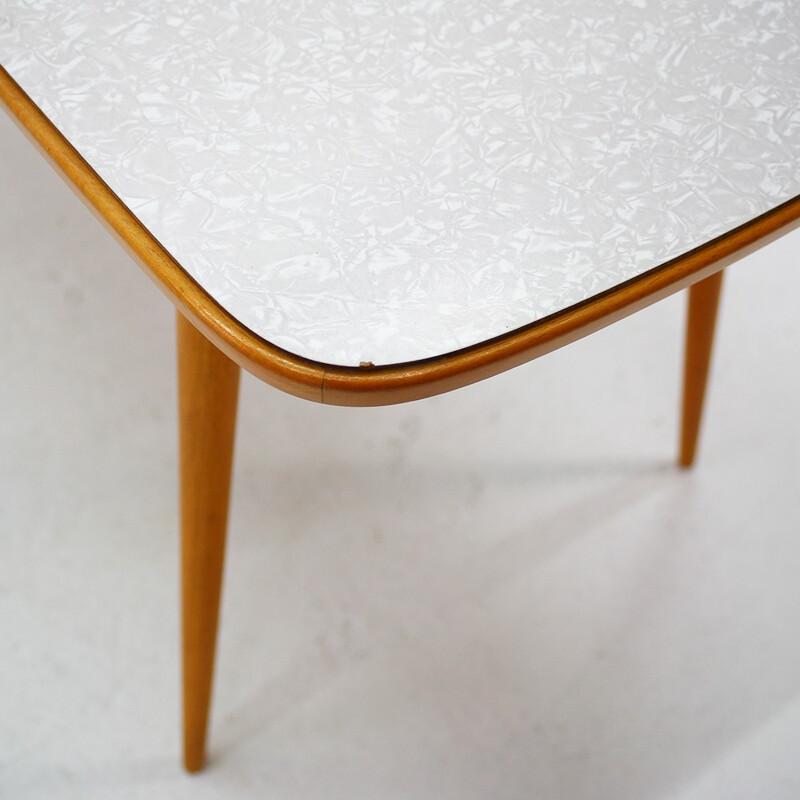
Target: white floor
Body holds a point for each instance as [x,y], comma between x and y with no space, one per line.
[508,592]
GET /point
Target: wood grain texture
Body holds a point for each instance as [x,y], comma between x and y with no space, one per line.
[208,383]
[700,325]
[368,386]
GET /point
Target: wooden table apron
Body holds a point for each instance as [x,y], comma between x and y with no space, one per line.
[211,343]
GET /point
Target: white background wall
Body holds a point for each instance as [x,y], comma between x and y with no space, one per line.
[507,592]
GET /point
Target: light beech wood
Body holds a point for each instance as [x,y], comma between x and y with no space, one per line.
[208,383]
[700,325]
[367,386]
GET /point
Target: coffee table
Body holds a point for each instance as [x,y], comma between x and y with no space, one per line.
[374,204]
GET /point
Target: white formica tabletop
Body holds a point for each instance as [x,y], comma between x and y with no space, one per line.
[378,181]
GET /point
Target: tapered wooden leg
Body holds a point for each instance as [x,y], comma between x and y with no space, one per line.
[208,386]
[702,318]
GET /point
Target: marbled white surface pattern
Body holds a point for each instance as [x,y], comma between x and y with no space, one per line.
[385,181]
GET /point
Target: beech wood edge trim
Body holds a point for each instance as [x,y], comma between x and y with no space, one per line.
[398,383]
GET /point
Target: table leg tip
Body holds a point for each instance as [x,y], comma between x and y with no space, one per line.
[194,761]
